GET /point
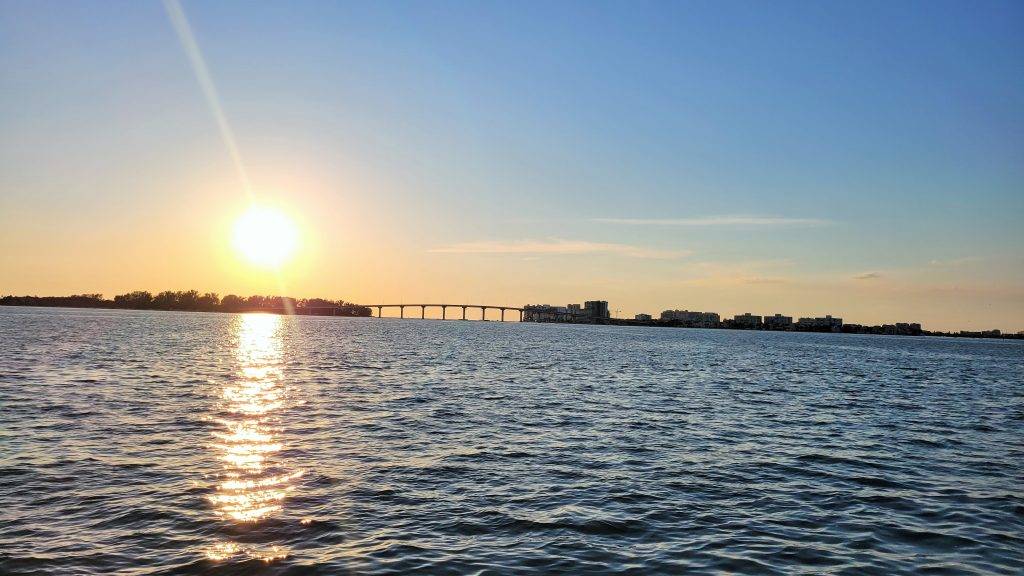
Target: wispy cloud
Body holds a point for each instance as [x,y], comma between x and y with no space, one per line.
[556,246]
[868,276]
[722,221]
[956,261]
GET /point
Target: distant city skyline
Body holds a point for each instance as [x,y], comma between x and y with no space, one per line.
[864,160]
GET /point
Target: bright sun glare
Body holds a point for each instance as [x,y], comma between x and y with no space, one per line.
[265,236]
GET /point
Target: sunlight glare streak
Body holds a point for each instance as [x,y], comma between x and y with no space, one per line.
[183,29]
[253,484]
[195,57]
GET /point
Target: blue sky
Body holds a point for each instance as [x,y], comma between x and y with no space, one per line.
[825,141]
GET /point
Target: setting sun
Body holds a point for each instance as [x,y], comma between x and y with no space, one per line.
[265,236]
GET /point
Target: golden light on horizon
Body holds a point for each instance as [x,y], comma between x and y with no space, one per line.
[265,236]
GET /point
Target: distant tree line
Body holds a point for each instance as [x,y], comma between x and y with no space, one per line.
[193,301]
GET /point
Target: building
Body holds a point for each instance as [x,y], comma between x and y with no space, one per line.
[826,324]
[545,313]
[746,321]
[898,329]
[691,319]
[596,309]
[643,318]
[982,334]
[901,329]
[593,311]
[908,329]
[778,322]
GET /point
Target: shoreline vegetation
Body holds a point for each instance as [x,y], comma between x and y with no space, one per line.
[193,301]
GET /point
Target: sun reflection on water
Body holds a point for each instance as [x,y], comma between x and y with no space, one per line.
[254,482]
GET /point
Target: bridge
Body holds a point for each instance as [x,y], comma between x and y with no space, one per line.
[444,309]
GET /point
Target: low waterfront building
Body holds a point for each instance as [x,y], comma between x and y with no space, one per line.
[746,321]
[778,322]
[898,329]
[643,318]
[544,313]
[983,334]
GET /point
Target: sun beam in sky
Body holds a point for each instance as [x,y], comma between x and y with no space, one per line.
[265,237]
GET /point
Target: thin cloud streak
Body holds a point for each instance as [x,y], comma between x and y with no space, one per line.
[557,246]
[722,221]
[957,261]
[868,276]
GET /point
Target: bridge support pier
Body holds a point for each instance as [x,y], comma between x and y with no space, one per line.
[502,314]
[520,315]
[463,312]
[401,311]
[423,312]
[380,311]
[483,312]
[444,310]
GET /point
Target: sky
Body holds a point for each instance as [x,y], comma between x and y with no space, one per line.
[860,159]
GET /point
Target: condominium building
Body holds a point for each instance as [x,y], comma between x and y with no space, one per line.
[747,321]
[825,324]
[692,319]
[778,322]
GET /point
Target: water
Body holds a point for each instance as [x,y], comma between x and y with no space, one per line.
[178,443]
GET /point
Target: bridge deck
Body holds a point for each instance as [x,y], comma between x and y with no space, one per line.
[415,305]
[444,309]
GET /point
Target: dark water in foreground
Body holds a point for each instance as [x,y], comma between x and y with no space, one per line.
[143,443]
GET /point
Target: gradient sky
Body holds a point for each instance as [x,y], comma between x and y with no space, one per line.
[861,159]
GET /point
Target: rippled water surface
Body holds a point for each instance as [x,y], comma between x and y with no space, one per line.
[148,442]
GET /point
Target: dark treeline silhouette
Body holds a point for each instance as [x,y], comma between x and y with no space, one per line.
[193,301]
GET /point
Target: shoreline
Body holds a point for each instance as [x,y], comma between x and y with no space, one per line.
[323,312]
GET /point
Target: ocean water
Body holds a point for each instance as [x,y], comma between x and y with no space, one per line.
[186,443]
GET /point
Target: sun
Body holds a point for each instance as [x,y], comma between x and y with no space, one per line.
[265,236]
